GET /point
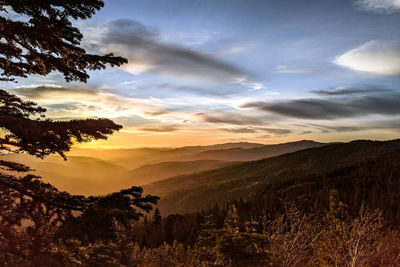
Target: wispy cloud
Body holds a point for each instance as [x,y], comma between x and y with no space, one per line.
[219,117]
[316,108]
[43,91]
[274,131]
[336,128]
[214,91]
[156,113]
[350,91]
[148,54]
[375,56]
[159,129]
[388,124]
[291,70]
[240,130]
[82,102]
[385,6]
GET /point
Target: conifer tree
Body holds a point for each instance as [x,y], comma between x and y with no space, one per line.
[38,37]
[156,217]
[329,248]
[206,241]
[232,220]
[236,248]
[42,39]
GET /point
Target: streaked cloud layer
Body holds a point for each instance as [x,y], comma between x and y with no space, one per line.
[350,91]
[203,72]
[326,109]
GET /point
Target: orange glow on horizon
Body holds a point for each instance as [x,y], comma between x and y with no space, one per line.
[126,139]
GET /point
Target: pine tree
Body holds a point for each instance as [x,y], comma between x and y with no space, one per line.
[156,217]
[45,40]
[232,220]
[329,248]
[205,244]
[236,248]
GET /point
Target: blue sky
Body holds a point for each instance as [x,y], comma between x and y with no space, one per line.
[211,71]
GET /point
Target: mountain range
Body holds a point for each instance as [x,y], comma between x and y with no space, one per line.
[189,179]
[96,171]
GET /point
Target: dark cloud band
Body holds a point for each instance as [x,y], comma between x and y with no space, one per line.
[219,117]
[350,91]
[332,109]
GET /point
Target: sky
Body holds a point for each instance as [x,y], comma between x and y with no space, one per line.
[212,71]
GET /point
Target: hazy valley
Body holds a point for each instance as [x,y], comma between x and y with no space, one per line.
[94,172]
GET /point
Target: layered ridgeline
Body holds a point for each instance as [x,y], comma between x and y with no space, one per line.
[361,170]
[242,151]
[96,171]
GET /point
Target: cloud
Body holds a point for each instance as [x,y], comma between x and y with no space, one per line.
[156,113]
[338,128]
[274,131]
[349,91]
[82,102]
[133,120]
[393,124]
[375,57]
[286,69]
[316,108]
[159,129]
[387,124]
[385,6]
[35,92]
[214,91]
[148,54]
[240,130]
[229,118]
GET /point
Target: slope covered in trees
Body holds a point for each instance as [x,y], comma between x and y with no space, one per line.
[194,192]
[346,216]
[159,171]
[255,153]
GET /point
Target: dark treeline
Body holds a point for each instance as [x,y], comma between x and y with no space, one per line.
[346,217]
[291,237]
[373,183]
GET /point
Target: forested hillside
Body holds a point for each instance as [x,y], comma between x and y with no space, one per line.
[313,216]
[195,192]
[150,173]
